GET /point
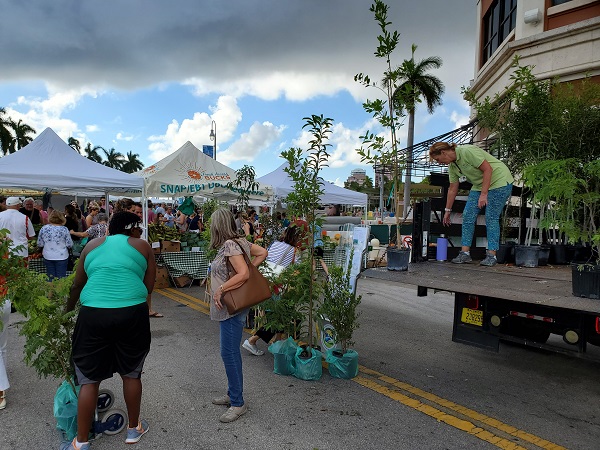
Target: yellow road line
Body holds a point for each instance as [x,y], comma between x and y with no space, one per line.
[474,415]
[191,303]
[378,385]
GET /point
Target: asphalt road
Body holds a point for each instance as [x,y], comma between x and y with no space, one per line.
[416,388]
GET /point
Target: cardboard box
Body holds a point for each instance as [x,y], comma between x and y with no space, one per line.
[156,247]
[183,281]
[170,246]
[162,278]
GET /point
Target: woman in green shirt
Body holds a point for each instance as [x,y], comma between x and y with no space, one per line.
[114,278]
[492,186]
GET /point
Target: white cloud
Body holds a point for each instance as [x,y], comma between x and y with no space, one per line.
[251,144]
[92,128]
[123,137]
[226,115]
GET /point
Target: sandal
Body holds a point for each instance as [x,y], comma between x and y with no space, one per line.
[155,314]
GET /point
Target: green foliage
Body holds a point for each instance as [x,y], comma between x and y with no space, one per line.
[289,310]
[47,328]
[304,168]
[271,227]
[243,184]
[549,133]
[208,208]
[339,305]
[377,149]
[571,188]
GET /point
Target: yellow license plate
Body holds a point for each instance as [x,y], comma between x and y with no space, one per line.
[472,316]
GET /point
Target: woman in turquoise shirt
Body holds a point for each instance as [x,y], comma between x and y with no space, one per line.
[114,277]
[492,186]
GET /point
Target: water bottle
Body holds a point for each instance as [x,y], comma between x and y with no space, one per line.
[442,248]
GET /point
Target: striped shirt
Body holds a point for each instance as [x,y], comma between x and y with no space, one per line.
[277,250]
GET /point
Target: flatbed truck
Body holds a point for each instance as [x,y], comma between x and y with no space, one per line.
[509,303]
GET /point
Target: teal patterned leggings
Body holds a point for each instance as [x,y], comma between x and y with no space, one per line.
[496,200]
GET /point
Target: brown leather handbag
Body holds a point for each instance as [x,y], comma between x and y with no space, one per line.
[255,289]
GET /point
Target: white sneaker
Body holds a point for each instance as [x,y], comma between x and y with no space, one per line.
[252,348]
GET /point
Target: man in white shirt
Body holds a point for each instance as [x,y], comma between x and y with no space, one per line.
[19,226]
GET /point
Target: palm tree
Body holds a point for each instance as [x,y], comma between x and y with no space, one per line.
[74,144]
[132,163]
[5,135]
[92,153]
[114,159]
[416,85]
[22,135]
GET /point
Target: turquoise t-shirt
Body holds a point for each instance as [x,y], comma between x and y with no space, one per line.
[469,158]
[115,273]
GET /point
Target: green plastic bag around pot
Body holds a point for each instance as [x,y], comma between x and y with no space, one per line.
[310,368]
[65,410]
[345,366]
[283,356]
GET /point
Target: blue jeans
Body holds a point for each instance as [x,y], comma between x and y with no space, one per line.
[56,268]
[231,338]
[496,200]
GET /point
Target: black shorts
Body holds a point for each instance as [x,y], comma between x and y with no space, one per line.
[318,252]
[109,340]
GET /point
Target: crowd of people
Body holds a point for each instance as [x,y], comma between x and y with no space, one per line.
[115,279]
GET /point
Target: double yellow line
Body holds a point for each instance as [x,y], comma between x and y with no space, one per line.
[483,427]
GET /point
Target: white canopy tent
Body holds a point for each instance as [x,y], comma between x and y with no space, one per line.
[189,172]
[48,164]
[282,185]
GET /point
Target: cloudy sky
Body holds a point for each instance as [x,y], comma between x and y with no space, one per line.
[147,75]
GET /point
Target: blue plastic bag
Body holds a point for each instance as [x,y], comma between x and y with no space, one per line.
[345,366]
[283,356]
[310,368]
[65,410]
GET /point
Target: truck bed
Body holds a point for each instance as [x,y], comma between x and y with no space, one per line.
[546,285]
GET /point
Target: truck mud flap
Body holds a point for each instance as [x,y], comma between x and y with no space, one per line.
[464,333]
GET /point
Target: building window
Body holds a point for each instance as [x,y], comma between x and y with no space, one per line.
[498,22]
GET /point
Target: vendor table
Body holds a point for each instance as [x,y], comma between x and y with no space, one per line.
[37,265]
[192,264]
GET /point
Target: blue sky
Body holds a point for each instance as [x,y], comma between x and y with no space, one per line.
[147,76]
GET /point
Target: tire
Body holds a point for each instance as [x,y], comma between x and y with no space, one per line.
[113,422]
[106,398]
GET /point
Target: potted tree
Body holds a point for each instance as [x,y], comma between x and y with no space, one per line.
[339,308]
[302,292]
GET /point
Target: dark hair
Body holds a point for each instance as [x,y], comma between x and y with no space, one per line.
[70,211]
[120,221]
[290,236]
[123,204]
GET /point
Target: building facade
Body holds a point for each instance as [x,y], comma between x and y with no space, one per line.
[559,38]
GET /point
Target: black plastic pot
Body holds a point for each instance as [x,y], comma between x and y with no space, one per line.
[586,280]
[398,258]
[578,253]
[544,255]
[558,254]
[506,253]
[527,255]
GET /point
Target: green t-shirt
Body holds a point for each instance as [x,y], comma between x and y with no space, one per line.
[115,273]
[468,159]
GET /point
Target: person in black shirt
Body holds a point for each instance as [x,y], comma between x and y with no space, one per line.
[31,212]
